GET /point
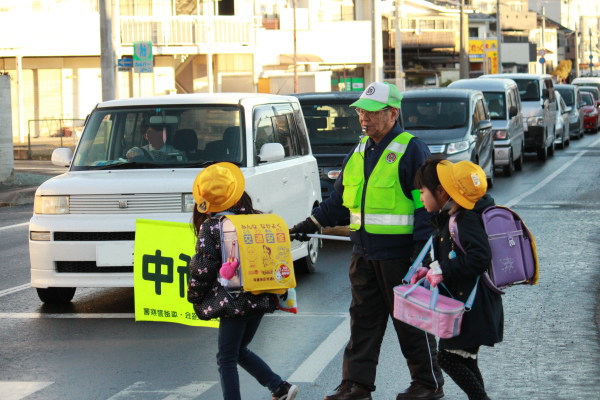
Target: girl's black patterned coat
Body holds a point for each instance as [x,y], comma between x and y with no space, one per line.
[484,324]
[209,298]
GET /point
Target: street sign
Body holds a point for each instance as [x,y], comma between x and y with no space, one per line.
[542,52]
[591,57]
[143,60]
[125,62]
[542,60]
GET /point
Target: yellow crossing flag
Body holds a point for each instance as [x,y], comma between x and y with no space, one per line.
[162,253]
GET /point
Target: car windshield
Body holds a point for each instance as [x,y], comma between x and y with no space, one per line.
[591,91]
[331,124]
[434,113]
[587,99]
[496,102]
[568,95]
[160,137]
[529,89]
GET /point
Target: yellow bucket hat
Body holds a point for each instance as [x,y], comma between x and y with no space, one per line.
[218,187]
[464,181]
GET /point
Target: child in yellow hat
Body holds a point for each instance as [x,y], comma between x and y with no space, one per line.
[219,189]
[460,188]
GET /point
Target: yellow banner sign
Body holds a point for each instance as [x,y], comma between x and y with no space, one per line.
[264,251]
[162,253]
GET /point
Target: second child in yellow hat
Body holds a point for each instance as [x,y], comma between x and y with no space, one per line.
[218,190]
[460,188]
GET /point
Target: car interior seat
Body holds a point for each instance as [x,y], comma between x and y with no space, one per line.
[228,148]
[186,140]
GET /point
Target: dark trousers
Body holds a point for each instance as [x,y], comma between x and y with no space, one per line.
[235,334]
[372,304]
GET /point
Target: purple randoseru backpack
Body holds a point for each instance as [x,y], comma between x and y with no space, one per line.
[514,256]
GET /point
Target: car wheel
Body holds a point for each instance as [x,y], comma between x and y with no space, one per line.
[519,161]
[307,265]
[542,154]
[510,168]
[56,295]
[551,149]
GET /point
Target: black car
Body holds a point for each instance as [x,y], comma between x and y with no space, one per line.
[333,129]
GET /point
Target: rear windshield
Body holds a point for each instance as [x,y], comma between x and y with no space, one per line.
[496,102]
[587,99]
[568,95]
[160,137]
[331,125]
[432,113]
[529,89]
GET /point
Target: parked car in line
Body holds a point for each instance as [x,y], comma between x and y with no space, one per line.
[587,81]
[562,123]
[83,227]
[539,110]
[572,98]
[504,105]
[591,121]
[594,91]
[333,129]
[454,123]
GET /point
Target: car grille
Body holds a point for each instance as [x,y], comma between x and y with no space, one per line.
[88,266]
[125,203]
[436,148]
[92,236]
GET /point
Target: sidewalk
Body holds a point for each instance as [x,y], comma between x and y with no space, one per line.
[27,176]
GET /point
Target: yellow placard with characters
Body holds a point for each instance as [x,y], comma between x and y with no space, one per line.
[162,253]
[264,252]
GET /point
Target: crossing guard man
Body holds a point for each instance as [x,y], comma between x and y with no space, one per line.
[388,227]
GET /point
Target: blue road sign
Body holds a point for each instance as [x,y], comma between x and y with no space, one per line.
[542,60]
[125,62]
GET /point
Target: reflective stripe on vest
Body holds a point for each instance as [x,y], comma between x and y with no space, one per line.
[382,203]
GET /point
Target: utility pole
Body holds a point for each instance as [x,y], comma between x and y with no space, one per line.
[591,55]
[399,70]
[296,86]
[499,36]
[462,55]
[543,37]
[376,45]
[107,51]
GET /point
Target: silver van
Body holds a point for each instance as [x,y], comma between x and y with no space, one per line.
[572,98]
[504,105]
[539,111]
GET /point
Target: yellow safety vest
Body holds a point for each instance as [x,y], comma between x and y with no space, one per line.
[382,208]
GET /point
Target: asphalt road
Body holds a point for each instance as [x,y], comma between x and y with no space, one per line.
[93,349]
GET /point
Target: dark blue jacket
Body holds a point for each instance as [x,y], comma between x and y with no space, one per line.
[377,246]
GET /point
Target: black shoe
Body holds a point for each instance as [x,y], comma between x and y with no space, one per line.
[285,391]
[417,391]
[349,390]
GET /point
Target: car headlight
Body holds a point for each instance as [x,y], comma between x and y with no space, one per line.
[500,134]
[535,121]
[457,147]
[51,205]
[187,202]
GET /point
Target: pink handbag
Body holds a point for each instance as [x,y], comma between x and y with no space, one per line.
[429,310]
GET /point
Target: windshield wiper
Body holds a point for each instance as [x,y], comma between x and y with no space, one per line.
[204,164]
[128,165]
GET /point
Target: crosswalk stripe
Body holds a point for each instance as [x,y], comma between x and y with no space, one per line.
[142,390]
[13,390]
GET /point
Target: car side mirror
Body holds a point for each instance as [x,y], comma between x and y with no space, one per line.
[485,124]
[512,112]
[568,109]
[62,156]
[271,152]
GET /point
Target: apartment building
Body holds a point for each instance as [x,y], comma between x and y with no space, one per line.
[51,50]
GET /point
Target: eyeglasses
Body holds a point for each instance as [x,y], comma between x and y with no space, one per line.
[364,113]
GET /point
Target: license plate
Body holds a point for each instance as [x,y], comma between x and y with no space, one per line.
[114,254]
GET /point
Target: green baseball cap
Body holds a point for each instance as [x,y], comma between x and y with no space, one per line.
[379,95]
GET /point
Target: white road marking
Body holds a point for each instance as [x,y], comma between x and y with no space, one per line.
[141,390]
[14,289]
[312,367]
[10,390]
[550,177]
[65,316]
[14,226]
